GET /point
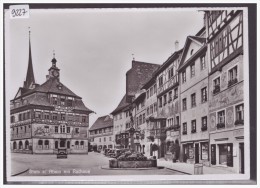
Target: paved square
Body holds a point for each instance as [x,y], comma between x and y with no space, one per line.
[74,165]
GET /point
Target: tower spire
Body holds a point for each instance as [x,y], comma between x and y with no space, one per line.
[30,75]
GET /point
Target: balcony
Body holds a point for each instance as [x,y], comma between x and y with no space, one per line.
[175,127]
[232,82]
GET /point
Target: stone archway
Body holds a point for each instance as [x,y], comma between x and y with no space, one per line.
[20,145]
[26,144]
[14,145]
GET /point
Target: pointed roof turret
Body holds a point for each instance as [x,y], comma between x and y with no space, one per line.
[30,75]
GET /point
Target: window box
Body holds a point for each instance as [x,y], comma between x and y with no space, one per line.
[232,82]
[204,128]
[239,122]
[216,89]
[184,132]
[169,128]
[193,131]
[220,125]
[176,127]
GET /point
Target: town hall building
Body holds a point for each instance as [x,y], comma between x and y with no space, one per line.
[48,117]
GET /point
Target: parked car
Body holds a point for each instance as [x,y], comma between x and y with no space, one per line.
[119,152]
[106,151]
[98,150]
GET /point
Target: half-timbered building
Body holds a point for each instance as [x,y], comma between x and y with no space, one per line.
[226,88]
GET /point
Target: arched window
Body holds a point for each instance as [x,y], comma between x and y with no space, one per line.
[68,144]
[40,144]
[56,144]
[77,144]
[20,145]
[82,144]
[26,144]
[46,144]
[14,145]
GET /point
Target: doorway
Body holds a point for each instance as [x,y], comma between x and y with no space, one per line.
[197,153]
[62,143]
[241,160]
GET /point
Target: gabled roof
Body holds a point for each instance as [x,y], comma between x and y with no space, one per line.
[38,95]
[79,105]
[138,75]
[121,105]
[51,86]
[198,40]
[201,40]
[102,122]
[172,58]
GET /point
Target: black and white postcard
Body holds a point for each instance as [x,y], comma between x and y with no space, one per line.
[127,93]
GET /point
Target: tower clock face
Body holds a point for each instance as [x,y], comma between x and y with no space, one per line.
[55,73]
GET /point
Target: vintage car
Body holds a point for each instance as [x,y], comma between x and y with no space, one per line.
[62,154]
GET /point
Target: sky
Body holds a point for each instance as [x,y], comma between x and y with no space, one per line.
[94,47]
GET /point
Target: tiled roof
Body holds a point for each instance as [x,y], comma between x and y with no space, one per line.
[81,106]
[138,75]
[121,105]
[172,58]
[102,122]
[38,95]
[51,86]
[41,100]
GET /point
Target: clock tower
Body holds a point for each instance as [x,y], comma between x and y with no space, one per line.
[54,72]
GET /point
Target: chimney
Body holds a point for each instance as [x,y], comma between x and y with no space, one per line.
[176,45]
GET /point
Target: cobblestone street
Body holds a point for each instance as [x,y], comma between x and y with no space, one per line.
[78,165]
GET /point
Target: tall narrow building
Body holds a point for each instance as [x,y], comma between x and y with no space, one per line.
[226,88]
[48,117]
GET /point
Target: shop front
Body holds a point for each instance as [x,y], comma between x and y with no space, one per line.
[196,152]
[227,150]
